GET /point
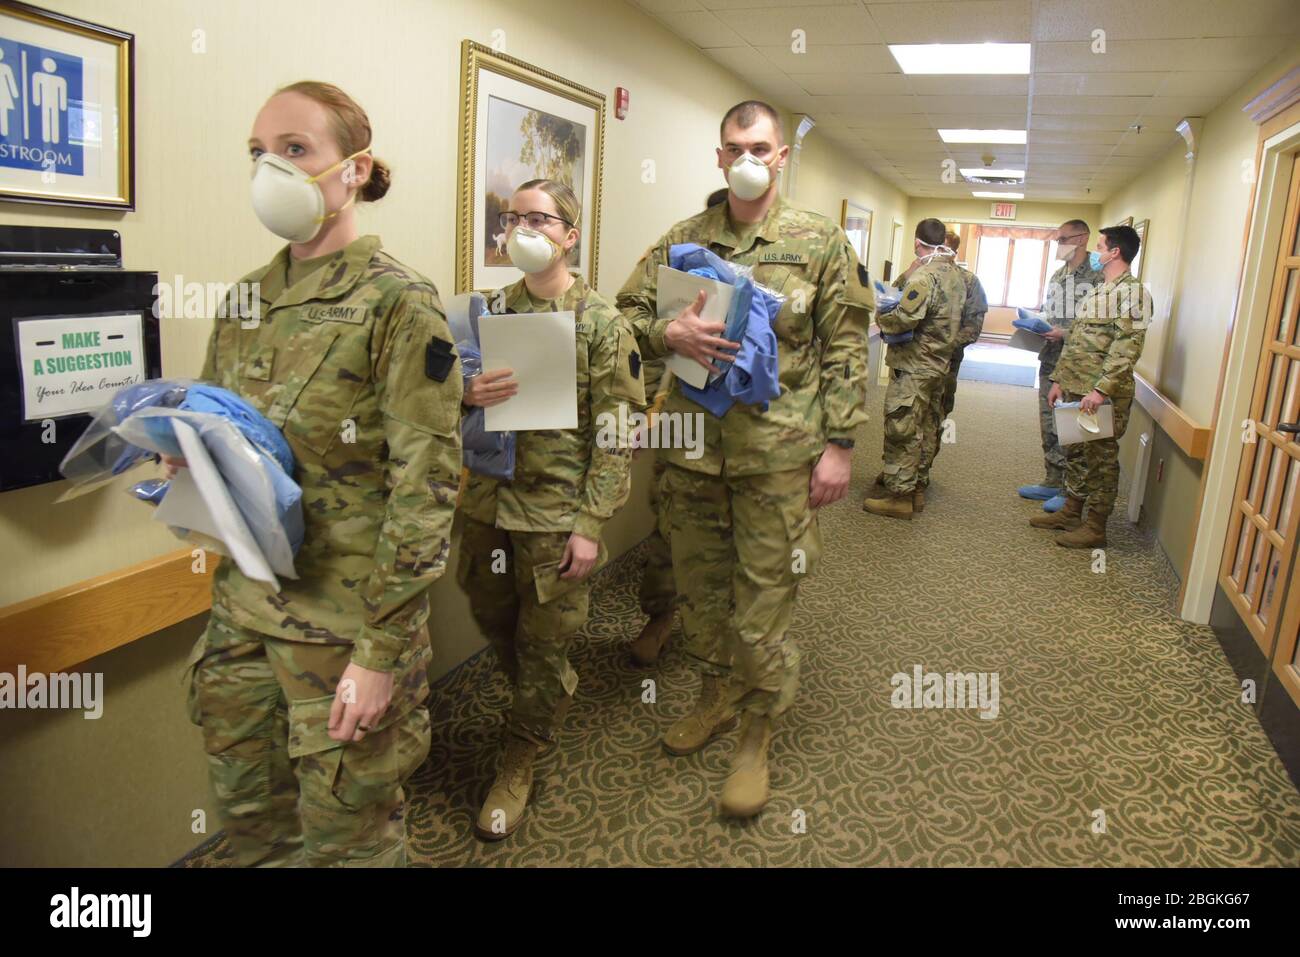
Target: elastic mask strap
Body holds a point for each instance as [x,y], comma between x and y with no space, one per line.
[351,199]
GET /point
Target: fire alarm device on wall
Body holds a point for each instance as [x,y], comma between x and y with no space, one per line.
[620,102]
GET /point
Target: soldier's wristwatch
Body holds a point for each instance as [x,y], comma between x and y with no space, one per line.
[842,443]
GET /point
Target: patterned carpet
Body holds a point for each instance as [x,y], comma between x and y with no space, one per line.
[1119,739]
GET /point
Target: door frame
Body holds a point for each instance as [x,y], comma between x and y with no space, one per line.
[1277,110]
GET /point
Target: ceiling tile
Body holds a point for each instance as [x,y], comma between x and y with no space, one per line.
[849,58]
[820,25]
[969,85]
[1098,84]
[830,84]
[702,28]
[1161,19]
[968,21]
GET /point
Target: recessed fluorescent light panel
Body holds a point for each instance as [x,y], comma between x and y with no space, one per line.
[999,173]
[979,195]
[983,136]
[961,58]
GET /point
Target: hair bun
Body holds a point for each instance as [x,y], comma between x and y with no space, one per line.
[381,178]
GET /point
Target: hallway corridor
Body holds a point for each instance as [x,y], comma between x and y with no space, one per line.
[1119,740]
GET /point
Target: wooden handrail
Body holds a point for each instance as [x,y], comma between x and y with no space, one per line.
[62,628]
[1189,435]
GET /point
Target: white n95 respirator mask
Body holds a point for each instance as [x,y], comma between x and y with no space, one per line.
[531,251]
[750,177]
[288,201]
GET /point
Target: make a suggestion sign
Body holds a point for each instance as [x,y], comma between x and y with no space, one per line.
[73,364]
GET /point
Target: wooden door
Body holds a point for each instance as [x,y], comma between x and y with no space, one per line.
[1259,551]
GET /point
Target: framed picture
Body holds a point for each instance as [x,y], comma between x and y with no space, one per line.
[519,122]
[67,110]
[1128,221]
[856,221]
[1135,266]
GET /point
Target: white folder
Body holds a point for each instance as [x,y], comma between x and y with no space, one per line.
[1070,432]
[676,291]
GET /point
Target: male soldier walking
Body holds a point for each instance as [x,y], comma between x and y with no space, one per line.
[931,308]
[743,526]
[1096,366]
[1069,286]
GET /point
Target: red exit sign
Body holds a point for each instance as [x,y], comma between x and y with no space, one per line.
[1003,211]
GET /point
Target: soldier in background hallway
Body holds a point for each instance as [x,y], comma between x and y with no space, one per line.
[1096,366]
[743,521]
[972,324]
[658,593]
[934,294]
[1069,286]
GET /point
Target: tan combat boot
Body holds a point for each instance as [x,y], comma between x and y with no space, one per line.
[653,639]
[1069,517]
[504,807]
[746,790]
[918,500]
[880,501]
[1091,534]
[713,715]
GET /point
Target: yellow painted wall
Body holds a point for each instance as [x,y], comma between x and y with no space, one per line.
[1185,351]
[66,797]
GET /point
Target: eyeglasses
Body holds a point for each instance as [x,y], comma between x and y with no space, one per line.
[531,220]
[1075,236]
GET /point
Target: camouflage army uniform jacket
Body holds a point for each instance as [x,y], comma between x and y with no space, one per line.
[567,480]
[348,363]
[974,309]
[931,309]
[1066,291]
[821,334]
[1105,339]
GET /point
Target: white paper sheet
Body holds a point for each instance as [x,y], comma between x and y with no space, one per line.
[541,349]
[198,499]
[1068,430]
[676,291]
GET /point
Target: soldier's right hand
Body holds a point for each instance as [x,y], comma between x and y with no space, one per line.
[171,464]
[1053,395]
[689,335]
[490,388]
[1054,334]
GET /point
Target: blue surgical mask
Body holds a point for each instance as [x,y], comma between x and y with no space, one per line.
[1094,260]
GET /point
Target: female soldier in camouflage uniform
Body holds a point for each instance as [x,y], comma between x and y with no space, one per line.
[529,545]
[311,699]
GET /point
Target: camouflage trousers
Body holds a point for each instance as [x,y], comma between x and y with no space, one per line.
[1092,468]
[287,793]
[658,590]
[947,402]
[913,417]
[740,548]
[1053,453]
[528,614]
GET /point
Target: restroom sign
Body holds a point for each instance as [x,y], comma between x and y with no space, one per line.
[1003,211]
[74,364]
[42,118]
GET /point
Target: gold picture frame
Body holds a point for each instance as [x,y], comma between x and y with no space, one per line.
[1136,265]
[856,220]
[67,110]
[503,98]
[1127,221]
